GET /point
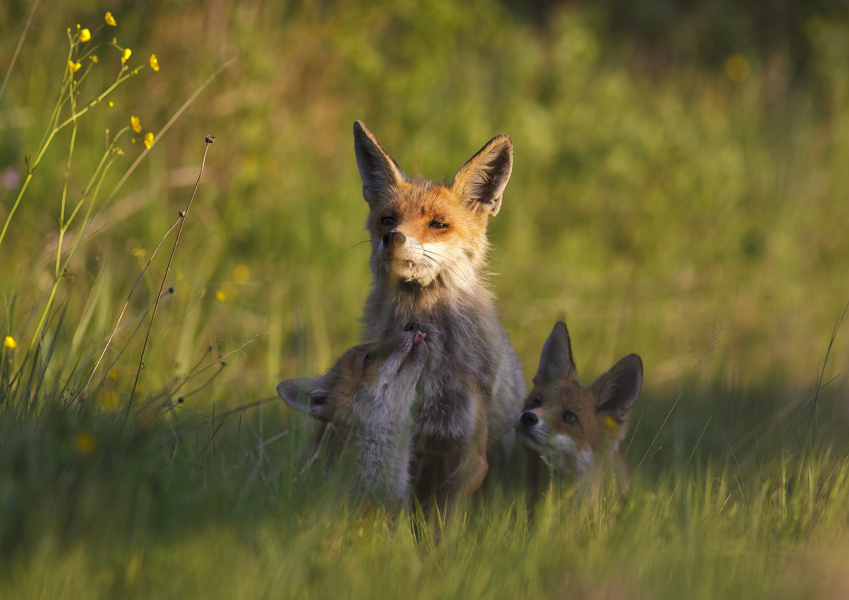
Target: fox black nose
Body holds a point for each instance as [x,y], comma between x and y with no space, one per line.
[528,419]
[394,239]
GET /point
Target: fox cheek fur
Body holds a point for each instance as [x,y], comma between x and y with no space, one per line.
[572,427]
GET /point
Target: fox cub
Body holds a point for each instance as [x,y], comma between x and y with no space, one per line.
[576,429]
[428,260]
[369,396]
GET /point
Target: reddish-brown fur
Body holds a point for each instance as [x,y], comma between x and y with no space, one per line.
[576,429]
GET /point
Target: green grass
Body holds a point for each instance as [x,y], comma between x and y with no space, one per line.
[663,208]
[231,522]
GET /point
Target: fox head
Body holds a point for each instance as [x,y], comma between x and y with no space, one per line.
[365,386]
[576,428]
[424,232]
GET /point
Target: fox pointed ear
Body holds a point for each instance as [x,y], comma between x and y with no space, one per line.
[620,387]
[377,169]
[308,395]
[556,358]
[482,180]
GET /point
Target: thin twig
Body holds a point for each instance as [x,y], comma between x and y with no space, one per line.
[224,415]
[18,49]
[121,316]
[167,126]
[183,214]
[168,390]
[701,435]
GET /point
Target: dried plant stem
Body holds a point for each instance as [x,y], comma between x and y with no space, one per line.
[168,125]
[81,395]
[183,214]
[18,48]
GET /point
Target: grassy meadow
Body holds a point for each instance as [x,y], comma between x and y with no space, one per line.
[680,190]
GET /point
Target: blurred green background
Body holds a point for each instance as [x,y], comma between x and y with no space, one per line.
[680,178]
[680,190]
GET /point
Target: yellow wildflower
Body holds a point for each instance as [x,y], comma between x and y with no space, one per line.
[85,35]
[9,343]
[112,375]
[154,62]
[110,104]
[110,20]
[84,443]
[220,296]
[135,124]
[737,68]
[108,401]
[73,67]
[148,139]
[241,274]
[126,56]
[138,252]
[93,58]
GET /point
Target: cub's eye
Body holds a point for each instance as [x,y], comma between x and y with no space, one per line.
[534,403]
[570,418]
[368,360]
[438,224]
[388,221]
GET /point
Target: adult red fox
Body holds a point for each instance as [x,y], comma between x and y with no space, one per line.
[576,429]
[428,260]
[368,395]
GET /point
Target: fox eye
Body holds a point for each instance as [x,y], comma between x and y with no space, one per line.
[387,221]
[368,360]
[570,418]
[438,225]
[535,403]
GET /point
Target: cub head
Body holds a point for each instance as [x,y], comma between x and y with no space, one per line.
[365,382]
[421,231]
[572,427]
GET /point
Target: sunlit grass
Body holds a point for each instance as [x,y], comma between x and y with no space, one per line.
[693,215]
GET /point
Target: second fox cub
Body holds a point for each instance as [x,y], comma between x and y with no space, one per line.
[577,429]
[369,395]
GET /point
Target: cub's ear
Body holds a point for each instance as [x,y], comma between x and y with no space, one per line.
[482,180]
[619,388]
[556,358]
[377,169]
[307,395]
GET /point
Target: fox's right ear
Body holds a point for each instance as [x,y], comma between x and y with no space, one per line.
[556,358]
[307,395]
[377,169]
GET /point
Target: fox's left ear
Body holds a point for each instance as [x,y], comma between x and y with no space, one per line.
[482,180]
[308,395]
[619,388]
